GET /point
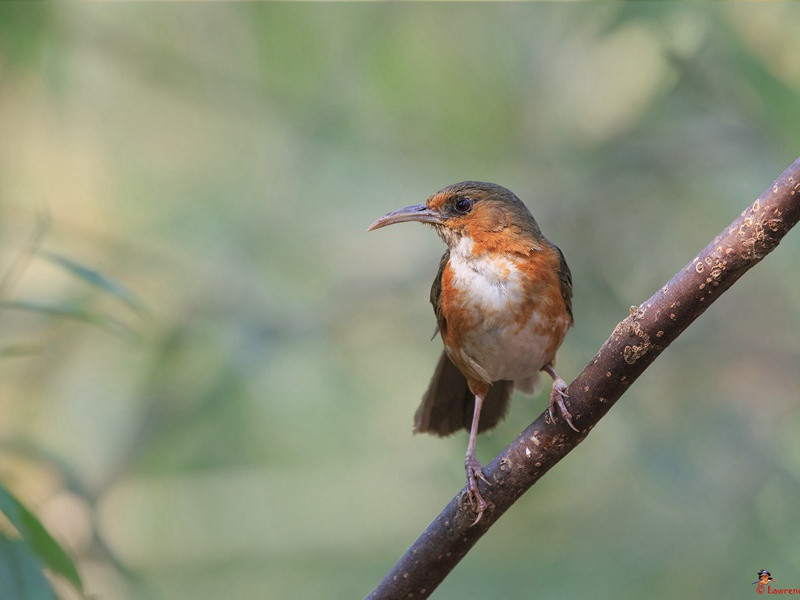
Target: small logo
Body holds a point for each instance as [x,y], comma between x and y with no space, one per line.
[764,577]
[763,586]
[764,581]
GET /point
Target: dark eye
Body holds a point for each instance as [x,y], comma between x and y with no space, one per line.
[463,205]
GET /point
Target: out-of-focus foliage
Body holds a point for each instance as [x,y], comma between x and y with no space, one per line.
[239,426]
[22,558]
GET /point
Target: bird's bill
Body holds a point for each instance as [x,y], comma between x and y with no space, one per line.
[417,212]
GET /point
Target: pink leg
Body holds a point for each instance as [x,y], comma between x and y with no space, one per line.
[558,392]
[473,466]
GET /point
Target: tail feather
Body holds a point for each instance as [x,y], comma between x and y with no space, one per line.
[448,404]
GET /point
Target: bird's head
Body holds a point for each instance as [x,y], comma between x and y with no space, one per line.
[474,209]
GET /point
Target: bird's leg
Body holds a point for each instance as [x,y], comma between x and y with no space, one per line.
[558,392]
[473,466]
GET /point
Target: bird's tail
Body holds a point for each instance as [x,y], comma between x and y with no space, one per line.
[448,403]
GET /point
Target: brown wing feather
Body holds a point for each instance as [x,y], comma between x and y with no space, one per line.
[436,294]
[565,279]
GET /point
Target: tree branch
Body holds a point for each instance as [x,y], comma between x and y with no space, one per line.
[633,345]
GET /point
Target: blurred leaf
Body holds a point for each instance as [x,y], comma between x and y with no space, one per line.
[72,311]
[95,278]
[40,542]
[21,575]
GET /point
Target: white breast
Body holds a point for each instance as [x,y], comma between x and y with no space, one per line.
[495,285]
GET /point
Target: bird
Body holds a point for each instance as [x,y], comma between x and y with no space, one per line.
[764,577]
[503,304]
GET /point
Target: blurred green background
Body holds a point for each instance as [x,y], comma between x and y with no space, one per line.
[234,421]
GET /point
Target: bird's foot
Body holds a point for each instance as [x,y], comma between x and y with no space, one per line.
[474,472]
[558,393]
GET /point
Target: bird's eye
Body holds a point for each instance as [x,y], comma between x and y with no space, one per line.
[463,205]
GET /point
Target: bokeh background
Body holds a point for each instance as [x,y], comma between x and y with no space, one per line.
[209,369]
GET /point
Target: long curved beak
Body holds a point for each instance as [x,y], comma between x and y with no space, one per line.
[417,212]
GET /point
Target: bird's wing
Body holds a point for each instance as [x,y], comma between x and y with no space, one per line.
[565,279]
[436,295]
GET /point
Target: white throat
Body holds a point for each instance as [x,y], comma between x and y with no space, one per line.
[494,283]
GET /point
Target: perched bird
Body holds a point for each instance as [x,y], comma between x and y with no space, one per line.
[503,304]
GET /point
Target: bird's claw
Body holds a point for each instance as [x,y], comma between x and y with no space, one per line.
[474,472]
[558,394]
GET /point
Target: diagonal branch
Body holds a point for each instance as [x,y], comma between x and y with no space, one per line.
[633,345]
